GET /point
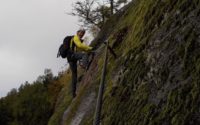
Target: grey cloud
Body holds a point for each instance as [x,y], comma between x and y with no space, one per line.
[31,32]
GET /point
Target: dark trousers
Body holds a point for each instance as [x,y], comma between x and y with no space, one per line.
[72,59]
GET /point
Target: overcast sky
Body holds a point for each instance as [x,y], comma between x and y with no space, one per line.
[30,33]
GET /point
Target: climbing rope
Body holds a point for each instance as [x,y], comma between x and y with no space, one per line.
[97,117]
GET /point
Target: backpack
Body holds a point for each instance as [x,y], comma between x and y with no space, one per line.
[65,47]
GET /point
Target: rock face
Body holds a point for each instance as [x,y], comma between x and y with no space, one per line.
[83,109]
[155,79]
[161,84]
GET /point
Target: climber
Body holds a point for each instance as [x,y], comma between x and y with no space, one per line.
[78,52]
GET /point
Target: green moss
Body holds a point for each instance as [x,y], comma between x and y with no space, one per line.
[178,119]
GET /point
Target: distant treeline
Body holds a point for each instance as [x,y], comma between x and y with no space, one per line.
[31,104]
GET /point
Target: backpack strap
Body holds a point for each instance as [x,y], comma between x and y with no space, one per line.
[72,44]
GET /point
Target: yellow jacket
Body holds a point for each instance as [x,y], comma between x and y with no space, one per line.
[79,45]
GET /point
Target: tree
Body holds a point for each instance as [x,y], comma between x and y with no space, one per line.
[115,5]
[48,73]
[85,11]
[94,13]
[5,115]
[111,7]
[12,92]
[91,13]
[46,78]
[31,103]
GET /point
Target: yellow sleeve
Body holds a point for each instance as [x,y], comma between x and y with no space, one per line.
[80,45]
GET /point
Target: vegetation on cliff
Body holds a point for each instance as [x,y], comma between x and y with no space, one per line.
[155,78]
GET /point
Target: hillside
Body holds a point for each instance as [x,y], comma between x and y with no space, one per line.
[155,78]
